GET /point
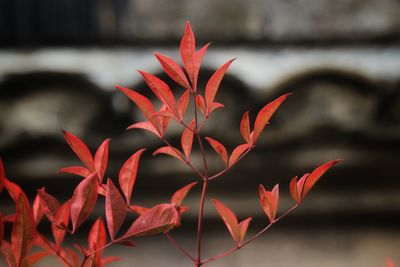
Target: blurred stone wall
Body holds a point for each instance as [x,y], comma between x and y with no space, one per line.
[340,58]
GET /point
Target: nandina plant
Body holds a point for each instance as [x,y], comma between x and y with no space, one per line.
[68,217]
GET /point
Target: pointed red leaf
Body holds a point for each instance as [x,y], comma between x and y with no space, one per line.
[15,191]
[115,209]
[180,194]
[245,127]
[296,188]
[229,219]
[219,148]
[265,114]
[49,204]
[197,60]
[164,120]
[6,250]
[83,200]
[60,225]
[269,201]
[159,219]
[77,170]
[201,104]
[101,159]
[187,140]
[243,226]
[139,210]
[187,49]
[173,70]
[183,104]
[97,236]
[23,230]
[161,90]
[37,210]
[215,106]
[237,153]
[80,149]
[145,125]
[142,102]
[213,84]
[169,151]
[128,173]
[315,175]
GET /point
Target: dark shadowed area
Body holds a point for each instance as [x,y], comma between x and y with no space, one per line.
[60,60]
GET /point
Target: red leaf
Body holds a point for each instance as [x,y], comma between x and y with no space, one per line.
[161,90]
[145,125]
[139,210]
[83,200]
[142,102]
[237,152]
[23,230]
[315,175]
[201,104]
[127,174]
[80,149]
[37,210]
[101,159]
[265,114]
[180,194]
[159,219]
[229,219]
[197,60]
[15,191]
[245,127]
[219,148]
[269,201]
[243,226]
[164,120]
[215,106]
[296,188]
[187,49]
[77,170]
[183,104]
[8,253]
[169,151]
[173,70]
[115,209]
[49,204]
[213,84]
[60,225]
[97,236]
[187,140]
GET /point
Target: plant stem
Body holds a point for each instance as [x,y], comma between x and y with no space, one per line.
[200,222]
[55,251]
[229,167]
[179,247]
[234,249]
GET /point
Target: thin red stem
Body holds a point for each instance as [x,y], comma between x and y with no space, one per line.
[200,222]
[179,247]
[229,167]
[56,251]
[234,249]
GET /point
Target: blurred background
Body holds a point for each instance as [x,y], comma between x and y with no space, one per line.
[60,60]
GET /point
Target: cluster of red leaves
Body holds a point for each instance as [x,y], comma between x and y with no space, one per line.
[67,217]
